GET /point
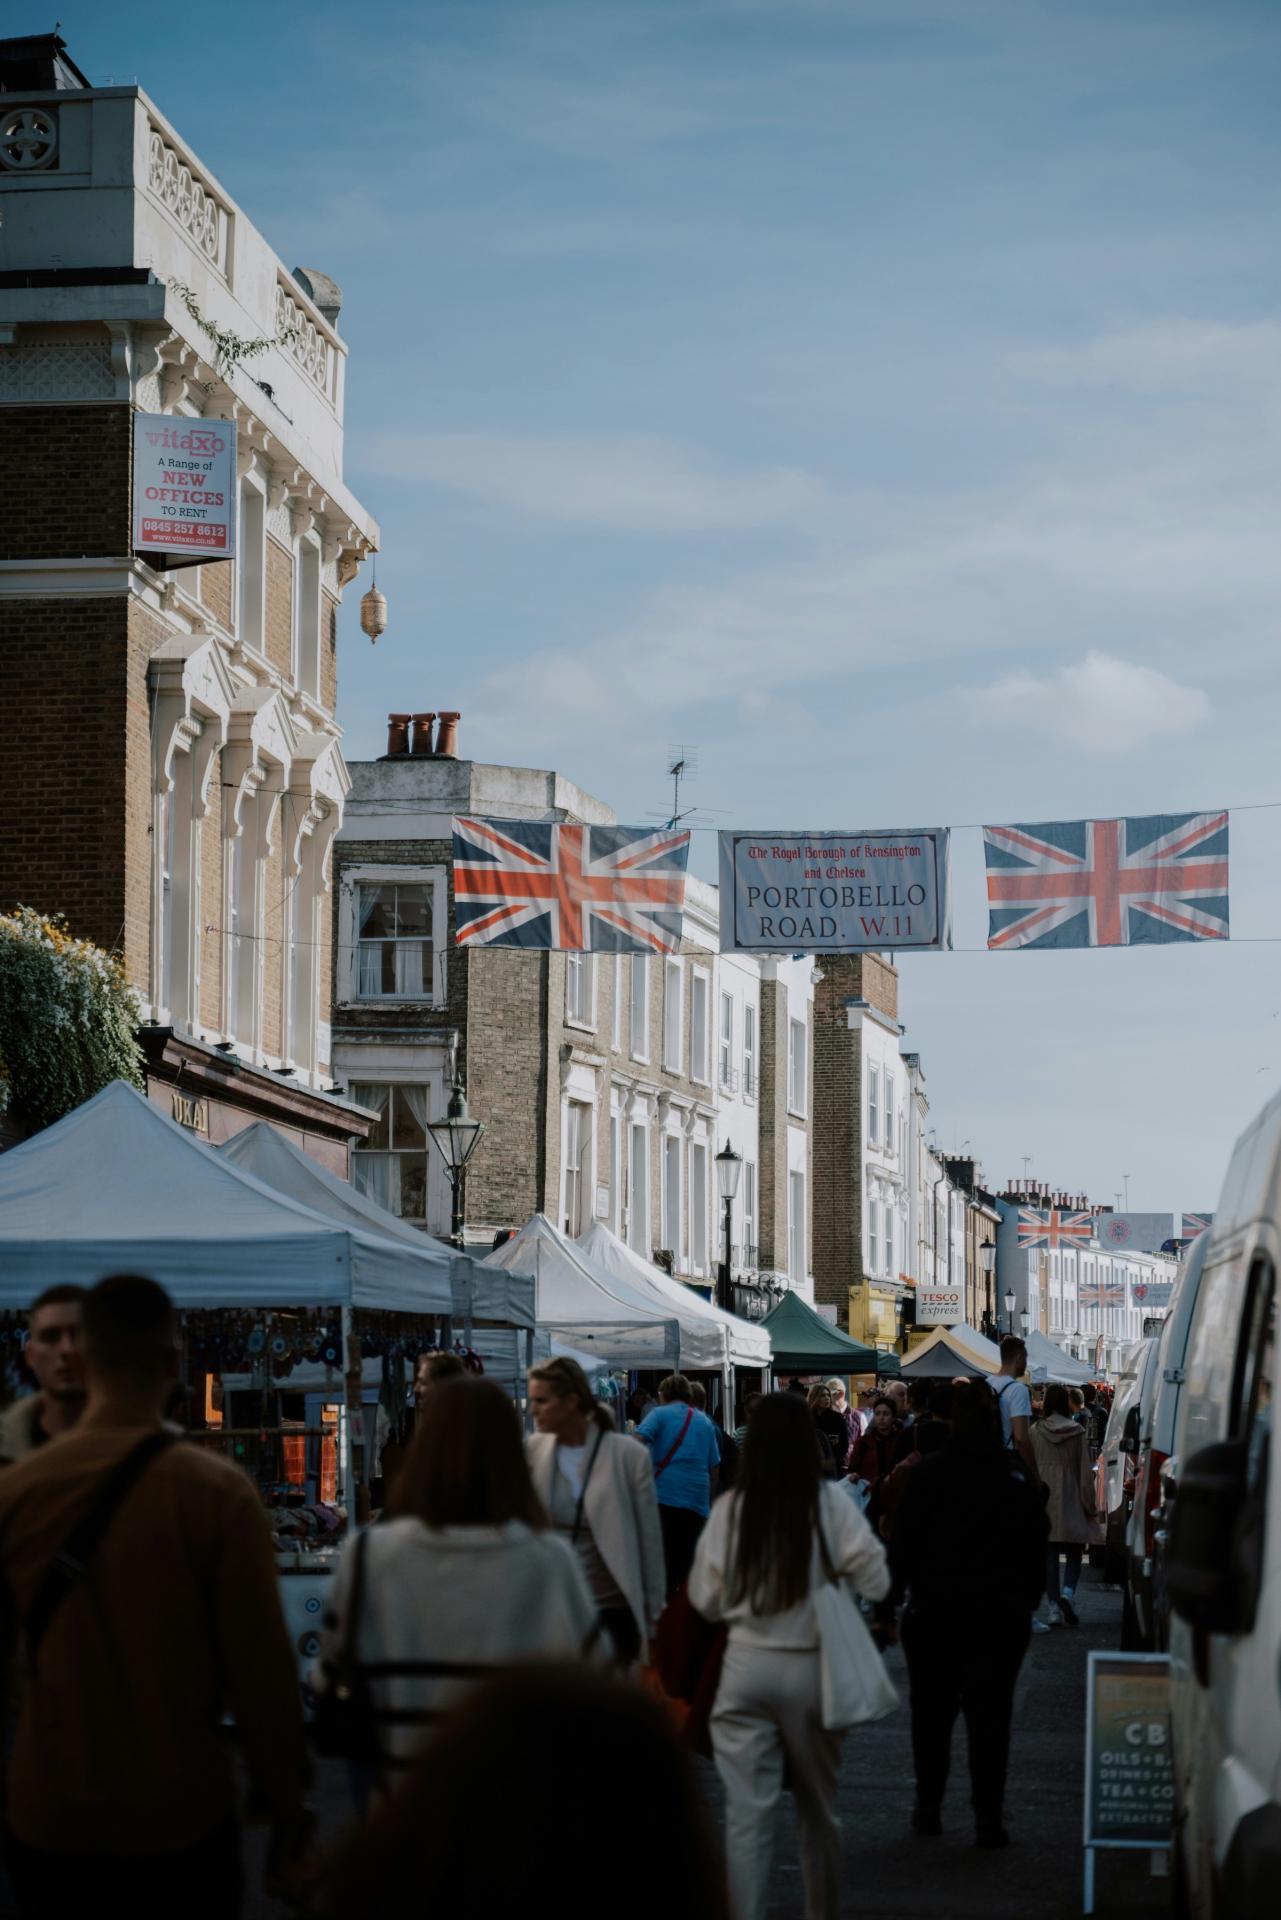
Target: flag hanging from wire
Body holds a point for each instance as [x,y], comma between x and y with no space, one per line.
[1108,883]
[524,883]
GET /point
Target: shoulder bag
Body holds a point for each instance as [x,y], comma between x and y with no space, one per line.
[854,1684]
[345,1725]
[675,1447]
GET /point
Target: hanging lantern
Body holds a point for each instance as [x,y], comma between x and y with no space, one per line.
[373,613]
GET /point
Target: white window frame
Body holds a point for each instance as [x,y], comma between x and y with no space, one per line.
[308,599]
[749,1208]
[576,1170]
[699,1056]
[797,1237]
[888,1224]
[673,1022]
[250,610]
[699,1188]
[888,1129]
[348,934]
[673,1201]
[797,1077]
[725,1042]
[393,1083]
[749,1050]
[873,1236]
[616,1132]
[639,1042]
[580,971]
[616,1012]
[873,1106]
[638,1202]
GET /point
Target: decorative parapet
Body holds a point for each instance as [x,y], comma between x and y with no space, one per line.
[193,204]
[298,335]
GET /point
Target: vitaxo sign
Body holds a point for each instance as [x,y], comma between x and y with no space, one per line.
[184,486]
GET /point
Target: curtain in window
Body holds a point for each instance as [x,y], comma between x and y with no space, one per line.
[373,1173]
[418,1100]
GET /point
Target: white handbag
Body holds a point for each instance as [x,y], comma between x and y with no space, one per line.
[855,1686]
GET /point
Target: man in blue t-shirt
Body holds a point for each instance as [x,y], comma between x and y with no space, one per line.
[685,1449]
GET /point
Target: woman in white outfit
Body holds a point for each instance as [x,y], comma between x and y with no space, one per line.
[767,1546]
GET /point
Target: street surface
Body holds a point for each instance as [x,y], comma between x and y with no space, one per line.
[892,1875]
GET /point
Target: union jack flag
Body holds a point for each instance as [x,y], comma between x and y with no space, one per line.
[1193,1224]
[1108,883]
[520,883]
[1101,1293]
[1054,1229]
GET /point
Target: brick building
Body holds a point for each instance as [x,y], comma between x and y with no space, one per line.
[171,777]
[606,1081]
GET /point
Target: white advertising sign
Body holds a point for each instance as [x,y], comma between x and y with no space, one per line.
[940,1306]
[835,892]
[184,486]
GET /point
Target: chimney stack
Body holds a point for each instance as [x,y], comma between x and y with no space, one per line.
[422,735]
[397,734]
[447,738]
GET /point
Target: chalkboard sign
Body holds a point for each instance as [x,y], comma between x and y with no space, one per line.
[1129,1774]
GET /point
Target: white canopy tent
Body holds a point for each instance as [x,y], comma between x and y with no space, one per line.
[596,1312]
[949,1351]
[117,1187]
[708,1333]
[1047,1361]
[479,1292]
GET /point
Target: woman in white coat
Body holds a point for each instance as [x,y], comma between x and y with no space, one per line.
[598,1487]
[769,1545]
[465,1582]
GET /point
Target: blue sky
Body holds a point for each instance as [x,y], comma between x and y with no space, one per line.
[880,395]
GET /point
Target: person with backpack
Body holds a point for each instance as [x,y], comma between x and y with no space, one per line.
[1014,1399]
[686,1456]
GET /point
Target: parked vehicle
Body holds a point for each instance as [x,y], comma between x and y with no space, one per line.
[1223,1556]
[1114,1469]
[1143,1624]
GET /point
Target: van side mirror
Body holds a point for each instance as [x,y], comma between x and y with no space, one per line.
[1130,1432]
[1203,1575]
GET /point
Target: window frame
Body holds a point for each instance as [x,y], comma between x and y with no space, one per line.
[250,610]
[673,1030]
[887,1124]
[308,601]
[673,1203]
[353,878]
[873,1236]
[725,1043]
[700,1238]
[581,965]
[750,1051]
[797,1223]
[576,1169]
[638,1045]
[797,1103]
[700,1068]
[873,1106]
[356,1087]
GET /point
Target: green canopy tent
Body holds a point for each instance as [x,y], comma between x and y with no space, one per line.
[806,1343]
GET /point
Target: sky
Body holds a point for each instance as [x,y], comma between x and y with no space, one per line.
[878,397]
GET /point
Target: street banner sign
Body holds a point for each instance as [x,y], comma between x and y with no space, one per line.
[184,486]
[1135,1232]
[939,1306]
[835,892]
[1129,1776]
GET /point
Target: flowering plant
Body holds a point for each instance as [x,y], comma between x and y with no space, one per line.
[68,1015]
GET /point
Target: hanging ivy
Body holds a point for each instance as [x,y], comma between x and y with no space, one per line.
[230,349]
[67,1018]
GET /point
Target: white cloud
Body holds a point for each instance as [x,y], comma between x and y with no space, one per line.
[1101,704]
[635,484]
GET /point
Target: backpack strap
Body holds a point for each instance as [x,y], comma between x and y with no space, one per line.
[675,1447]
[74,1558]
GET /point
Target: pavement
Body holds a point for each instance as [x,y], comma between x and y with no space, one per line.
[892,1875]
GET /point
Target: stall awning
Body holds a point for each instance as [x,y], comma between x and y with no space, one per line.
[590,1310]
[1047,1361]
[950,1351]
[706,1330]
[804,1342]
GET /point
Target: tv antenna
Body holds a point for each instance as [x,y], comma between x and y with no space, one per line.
[682,765]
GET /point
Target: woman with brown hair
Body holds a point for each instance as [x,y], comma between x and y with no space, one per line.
[781,1536]
[598,1487]
[464,1581]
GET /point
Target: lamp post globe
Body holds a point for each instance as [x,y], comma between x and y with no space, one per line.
[456,1139]
[1009,1309]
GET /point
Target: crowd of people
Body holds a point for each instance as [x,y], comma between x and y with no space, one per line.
[511,1616]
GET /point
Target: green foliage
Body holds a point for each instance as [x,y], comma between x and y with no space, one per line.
[230,349]
[67,1018]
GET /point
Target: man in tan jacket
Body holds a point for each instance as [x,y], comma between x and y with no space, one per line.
[120,1790]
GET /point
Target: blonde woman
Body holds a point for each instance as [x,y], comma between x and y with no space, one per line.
[598,1487]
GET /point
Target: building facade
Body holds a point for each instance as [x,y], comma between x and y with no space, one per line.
[607,1082]
[171,775]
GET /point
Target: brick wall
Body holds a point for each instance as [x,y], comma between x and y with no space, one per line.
[211,934]
[836,1142]
[328,652]
[279,618]
[69,491]
[215,591]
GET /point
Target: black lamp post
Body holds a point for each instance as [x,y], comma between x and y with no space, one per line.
[1009,1309]
[457,1137]
[729,1165]
[987,1261]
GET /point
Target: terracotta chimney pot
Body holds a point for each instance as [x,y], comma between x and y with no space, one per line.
[422,734]
[447,738]
[397,733]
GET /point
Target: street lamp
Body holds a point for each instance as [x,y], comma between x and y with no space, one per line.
[457,1137]
[729,1165]
[987,1262]
[1009,1308]
[1025,1321]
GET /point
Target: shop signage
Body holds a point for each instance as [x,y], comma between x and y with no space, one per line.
[184,486]
[835,892]
[1129,1778]
[189,1112]
[939,1306]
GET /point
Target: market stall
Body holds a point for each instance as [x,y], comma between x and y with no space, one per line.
[804,1342]
[577,1301]
[1047,1361]
[951,1351]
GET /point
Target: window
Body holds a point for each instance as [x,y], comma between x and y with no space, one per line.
[640,1007]
[392,1167]
[638,1190]
[166,903]
[749,1051]
[672,1016]
[700,988]
[796,1238]
[725,1065]
[616,1036]
[394,940]
[698,1208]
[251,564]
[307,619]
[873,1236]
[615,1173]
[579,985]
[673,1238]
[749,1214]
[873,1106]
[889,1112]
[796,1066]
[234,957]
[889,1238]
[578,1143]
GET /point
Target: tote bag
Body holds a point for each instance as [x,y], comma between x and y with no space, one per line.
[854,1684]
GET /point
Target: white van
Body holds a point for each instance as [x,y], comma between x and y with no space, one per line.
[1223,1565]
